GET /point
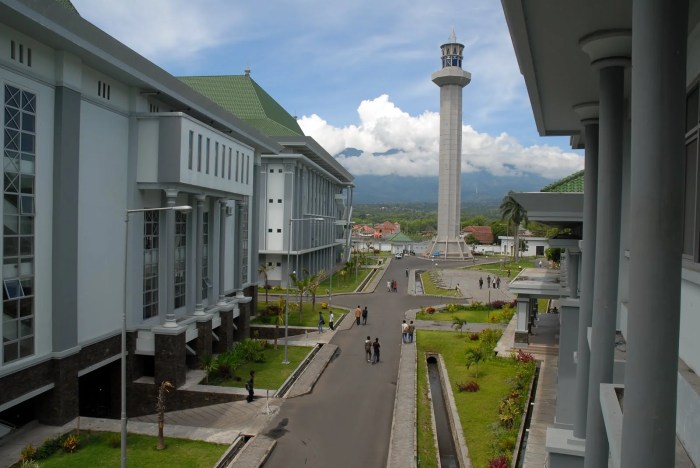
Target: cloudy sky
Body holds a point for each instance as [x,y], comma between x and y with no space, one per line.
[356,74]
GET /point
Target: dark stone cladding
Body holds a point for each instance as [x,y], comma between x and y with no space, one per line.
[174,401]
[203,345]
[60,404]
[170,358]
[225,331]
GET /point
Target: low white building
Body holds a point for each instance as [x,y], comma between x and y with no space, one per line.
[530,246]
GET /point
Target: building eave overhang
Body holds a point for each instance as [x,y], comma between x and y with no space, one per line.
[311,149]
[558,75]
[552,207]
[50,23]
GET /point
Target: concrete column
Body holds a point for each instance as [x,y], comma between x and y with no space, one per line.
[589,114]
[658,161]
[607,255]
[199,247]
[171,197]
[204,338]
[572,272]
[222,249]
[170,358]
[522,321]
[225,332]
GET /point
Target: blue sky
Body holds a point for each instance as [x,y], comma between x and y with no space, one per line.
[356,74]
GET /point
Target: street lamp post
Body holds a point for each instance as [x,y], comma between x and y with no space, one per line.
[286,300]
[184,208]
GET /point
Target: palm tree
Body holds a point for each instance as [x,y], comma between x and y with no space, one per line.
[264,271]
[314,283]
[458,323]
[302,286]
[474,356]
[514,214]
[164,388]
[279,316]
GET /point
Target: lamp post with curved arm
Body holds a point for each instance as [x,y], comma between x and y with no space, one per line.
[185,209]
[286,300]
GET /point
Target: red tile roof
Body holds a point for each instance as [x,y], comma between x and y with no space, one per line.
[483,234]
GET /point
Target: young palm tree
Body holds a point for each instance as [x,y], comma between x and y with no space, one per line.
[314,283]
[514,214]
[474,356]
[164,388]
[302,286]
[264,271]
[458,323]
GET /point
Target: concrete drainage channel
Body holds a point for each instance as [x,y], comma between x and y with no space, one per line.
[282,391]
[452,449]
[232,451]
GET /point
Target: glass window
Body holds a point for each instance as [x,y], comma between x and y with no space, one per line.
[151,241]
[205,255]
[190,151]
[18,233]
[180,258]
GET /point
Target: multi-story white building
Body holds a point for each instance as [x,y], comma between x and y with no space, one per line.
[621,78]
[305,195]
[90,130]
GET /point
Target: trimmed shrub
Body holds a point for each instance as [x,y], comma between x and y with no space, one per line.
[470,386]
[474,336]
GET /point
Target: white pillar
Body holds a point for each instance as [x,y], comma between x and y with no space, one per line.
[657,184]
[609,53]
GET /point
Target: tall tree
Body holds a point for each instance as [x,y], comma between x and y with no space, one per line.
[264,271]
[514,214]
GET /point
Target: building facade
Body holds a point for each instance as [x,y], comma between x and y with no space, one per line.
[621,78]
[91,130]
[305,195]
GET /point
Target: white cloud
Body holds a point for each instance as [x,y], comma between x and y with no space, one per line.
[383,127]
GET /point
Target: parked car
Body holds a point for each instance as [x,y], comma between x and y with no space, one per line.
[398,256]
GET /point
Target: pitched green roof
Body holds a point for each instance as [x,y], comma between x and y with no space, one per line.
[400,237]
[244,98]
[572,183]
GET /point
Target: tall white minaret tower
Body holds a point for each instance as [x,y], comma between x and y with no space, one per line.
[451,79]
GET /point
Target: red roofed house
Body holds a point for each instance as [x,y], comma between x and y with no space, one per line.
[483,234]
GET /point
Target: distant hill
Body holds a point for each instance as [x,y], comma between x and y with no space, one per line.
[477,187]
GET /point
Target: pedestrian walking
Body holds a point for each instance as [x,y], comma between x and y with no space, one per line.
[388,286]
[498,282]
[394,286]
[331,320]
[404,332]
[249,386]
[411,331]
[368,349]
[365,312]
[358,314]
[320,322]
[488,281]
[375,347]
[406,272]
[481,283]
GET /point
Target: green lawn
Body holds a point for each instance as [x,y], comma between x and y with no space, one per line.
[309,318]
[270,374]
[431,287]
[478,411]
[341,284]
[102,449]
[474,316]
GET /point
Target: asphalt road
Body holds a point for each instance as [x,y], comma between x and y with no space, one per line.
[346,420]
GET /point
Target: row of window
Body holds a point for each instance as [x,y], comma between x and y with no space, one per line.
[19,128]
[236,169]
[20,53]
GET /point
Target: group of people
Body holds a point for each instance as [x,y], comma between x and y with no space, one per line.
[392,286]
[372,350]
[322,322]
[407,331]
[361,314]
[496,282]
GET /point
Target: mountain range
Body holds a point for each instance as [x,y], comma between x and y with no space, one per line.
[477,187]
